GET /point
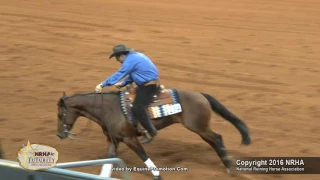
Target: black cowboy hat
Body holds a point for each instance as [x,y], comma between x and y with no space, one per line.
[120,48]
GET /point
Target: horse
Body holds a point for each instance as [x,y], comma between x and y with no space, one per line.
[111,111]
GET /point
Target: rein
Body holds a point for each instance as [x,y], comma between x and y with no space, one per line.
[102,113]
[75,136]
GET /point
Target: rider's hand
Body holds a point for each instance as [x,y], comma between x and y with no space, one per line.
[118,85]
[99,88]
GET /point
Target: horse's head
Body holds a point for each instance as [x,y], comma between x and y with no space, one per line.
[67,116]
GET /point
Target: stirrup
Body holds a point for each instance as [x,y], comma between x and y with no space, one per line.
[146,136]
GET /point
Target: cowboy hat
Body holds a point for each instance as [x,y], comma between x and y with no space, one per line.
[120,48]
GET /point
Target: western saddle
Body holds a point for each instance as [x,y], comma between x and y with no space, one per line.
[162,96]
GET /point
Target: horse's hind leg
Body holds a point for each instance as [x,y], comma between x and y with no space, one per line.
[198,119]
[212,138]
[216,142]
[133,143]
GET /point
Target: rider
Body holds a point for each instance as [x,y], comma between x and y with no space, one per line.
[141,70]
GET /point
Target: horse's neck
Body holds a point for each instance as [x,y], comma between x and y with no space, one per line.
[91,117]
[94,107]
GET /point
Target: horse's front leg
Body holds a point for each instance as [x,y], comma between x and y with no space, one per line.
[133,143]
[113,145]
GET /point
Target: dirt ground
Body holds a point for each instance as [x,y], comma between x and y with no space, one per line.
[260,58]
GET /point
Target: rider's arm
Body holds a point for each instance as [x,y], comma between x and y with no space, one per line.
[128,80]
[126,68]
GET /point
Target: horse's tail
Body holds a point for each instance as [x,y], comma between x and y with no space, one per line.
[218,108]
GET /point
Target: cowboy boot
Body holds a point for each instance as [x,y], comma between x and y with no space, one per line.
[148,127]
[147,124]
[146,138]
[141,131]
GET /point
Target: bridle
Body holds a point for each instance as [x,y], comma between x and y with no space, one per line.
[72,135]
[65,125]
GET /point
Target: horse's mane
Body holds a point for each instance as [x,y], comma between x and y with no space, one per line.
[94,93]
[62,99]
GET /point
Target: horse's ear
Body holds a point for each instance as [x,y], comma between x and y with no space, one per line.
[64,94]
[61,102]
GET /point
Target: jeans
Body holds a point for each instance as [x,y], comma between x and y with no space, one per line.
[144,96]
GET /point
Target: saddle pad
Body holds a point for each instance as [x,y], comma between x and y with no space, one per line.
[153,111]
[164,110]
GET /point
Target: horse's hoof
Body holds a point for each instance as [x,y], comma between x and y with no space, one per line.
[246,141]
[228,170]
[231,172]
[228,161]
[157,177]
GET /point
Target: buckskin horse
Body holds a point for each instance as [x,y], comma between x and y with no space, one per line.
[112,111]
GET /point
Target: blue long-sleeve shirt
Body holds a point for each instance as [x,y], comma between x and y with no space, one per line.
[139,68]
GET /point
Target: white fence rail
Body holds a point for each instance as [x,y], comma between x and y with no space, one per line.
[61,170]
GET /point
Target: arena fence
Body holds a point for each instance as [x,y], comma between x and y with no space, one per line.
[12,170]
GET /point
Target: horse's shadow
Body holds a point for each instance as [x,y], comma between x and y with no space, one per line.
[166,152]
